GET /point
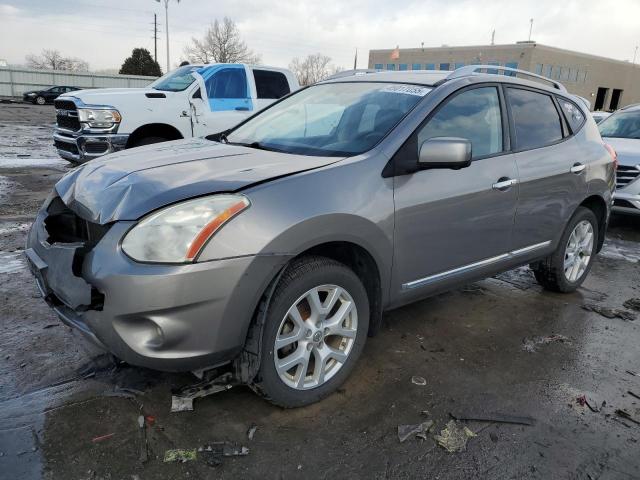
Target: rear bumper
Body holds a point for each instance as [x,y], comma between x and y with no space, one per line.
[164,317]
[87,146]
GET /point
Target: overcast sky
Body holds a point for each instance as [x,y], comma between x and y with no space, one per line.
[103,32]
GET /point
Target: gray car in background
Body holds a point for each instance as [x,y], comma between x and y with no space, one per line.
[273,249]
[622,131]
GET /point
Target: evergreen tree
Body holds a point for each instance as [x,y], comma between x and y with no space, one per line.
[141,63]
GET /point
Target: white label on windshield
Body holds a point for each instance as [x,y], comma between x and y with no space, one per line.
[407,90]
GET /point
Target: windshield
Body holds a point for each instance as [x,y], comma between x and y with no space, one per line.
[621,125]
[177,80]
[334,119]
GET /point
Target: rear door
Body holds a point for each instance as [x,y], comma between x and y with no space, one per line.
[550,165]
[451,225]
[226,99]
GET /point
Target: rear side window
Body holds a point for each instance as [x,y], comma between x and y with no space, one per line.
[536,119]
[271,84]
[474,115]
[572,113]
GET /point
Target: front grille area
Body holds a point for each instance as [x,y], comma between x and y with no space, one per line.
[64,226]
[67,115]
[625,175]
[96,148]
[622,203]
[67,147]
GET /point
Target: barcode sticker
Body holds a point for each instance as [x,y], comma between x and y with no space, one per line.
[407,90]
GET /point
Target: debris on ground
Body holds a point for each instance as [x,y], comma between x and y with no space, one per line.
[182,399]
[632,304]
[585,401]
[252,431]
[633,394]
[144,446]
[418,380]
[418,430]
[179,455]
[212,454]
[494,417]
[635,374]
[454,437]
[608,312]
[627,416]
[102,437]
[530,344]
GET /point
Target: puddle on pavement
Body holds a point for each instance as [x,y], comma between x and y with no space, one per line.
[11,262]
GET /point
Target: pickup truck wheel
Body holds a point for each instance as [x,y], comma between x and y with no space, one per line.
[315,329]
[40,100]
[565,269]
[148,141]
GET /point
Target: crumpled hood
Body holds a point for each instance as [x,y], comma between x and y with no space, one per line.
[131,183]
[114,97]
[628,150]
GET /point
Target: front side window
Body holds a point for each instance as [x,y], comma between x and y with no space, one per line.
[227,83]
[270,84]
[621,125]
[473,115]
[333,119]
[537,123]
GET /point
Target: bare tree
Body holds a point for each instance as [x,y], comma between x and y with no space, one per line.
[221,44]
[313,68]
[53,60]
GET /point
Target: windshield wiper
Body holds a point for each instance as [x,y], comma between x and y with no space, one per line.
[256,145]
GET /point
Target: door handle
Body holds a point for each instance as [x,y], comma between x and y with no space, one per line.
[504,183]
[242,109]
[577,168]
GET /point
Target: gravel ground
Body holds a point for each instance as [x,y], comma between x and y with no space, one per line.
[500,345]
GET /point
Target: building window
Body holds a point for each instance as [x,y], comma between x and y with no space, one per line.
[547,70]
[458,65]
[565,73]
[416,66]
[378,66]
[493,70]
[511,65]
[539,67]
[403,66]
[584,77]
[573,74]
[391,66]
[444,66]
[430,66]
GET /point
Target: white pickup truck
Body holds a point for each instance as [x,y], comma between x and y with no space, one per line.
[191,101]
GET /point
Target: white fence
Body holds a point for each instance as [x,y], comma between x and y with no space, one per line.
[15,81]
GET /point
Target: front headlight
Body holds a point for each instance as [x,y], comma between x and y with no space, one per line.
[99,118]
[178,233]
[31,94]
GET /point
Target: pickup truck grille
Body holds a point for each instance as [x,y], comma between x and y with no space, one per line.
[67,115]
[625,175]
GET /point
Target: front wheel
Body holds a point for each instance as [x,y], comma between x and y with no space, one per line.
[566,269]
[40,100]
[315,329]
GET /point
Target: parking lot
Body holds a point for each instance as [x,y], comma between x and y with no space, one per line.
[499,346]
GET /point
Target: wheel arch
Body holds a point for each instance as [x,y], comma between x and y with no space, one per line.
[598,206]
[154,130]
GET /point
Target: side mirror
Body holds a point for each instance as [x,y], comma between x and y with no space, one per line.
[445,152]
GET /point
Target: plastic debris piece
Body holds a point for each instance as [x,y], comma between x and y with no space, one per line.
[581,400]
[212,453]
[494,417]
[180,455]
[102,437]
[252,431]
[531,344]
[418,430]
[454,437]
[418,380]
[608,312]
[182,399]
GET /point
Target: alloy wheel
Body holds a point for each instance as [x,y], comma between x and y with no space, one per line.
[315,337]
[577,254]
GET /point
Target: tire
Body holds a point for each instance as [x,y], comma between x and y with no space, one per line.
[149,141]
[40,100]
[331,279]
[550,272]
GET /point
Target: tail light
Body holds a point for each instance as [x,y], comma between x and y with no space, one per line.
[614,155]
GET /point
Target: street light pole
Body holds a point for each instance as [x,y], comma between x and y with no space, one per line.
[166,18]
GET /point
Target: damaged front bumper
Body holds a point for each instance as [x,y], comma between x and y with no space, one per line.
[164,317]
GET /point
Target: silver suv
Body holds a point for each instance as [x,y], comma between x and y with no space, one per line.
[273,249]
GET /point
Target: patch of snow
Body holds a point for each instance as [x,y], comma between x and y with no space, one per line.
[32,162]
[10,227]
[6,186]
[621,250]
[11,262]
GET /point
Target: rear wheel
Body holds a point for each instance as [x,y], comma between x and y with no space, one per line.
[148,141]
[40,100]
[315,329]
[568,266]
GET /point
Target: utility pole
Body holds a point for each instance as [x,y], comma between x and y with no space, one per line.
[635,53]
[530,28]
[355,60]
[155,37]
[166,17]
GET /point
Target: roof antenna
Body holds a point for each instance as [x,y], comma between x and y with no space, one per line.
[493,37]
[530,28]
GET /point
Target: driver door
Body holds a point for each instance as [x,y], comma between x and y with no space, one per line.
[224,99]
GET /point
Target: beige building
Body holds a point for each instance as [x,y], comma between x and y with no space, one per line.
[608,84]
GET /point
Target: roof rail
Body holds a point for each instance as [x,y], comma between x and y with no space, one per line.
[474,70]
